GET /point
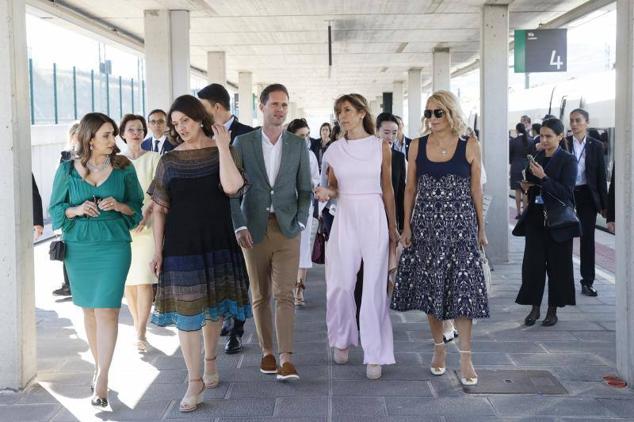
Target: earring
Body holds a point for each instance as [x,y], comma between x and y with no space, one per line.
[91,147]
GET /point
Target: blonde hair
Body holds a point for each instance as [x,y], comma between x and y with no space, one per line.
[450,104]
[73,130]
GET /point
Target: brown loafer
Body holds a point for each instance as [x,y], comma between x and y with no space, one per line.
[287,372]
[268,365]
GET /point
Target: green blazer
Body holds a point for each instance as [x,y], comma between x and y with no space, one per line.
[290,195]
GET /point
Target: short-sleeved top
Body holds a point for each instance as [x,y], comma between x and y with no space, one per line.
[457,164]
[70,190]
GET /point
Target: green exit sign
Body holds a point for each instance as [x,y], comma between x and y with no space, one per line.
[541,50]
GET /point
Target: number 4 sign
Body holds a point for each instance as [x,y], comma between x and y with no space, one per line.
[540,50]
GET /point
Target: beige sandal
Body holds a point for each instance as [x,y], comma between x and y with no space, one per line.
[467,381]
[211,380]
[190,403]
[439,370]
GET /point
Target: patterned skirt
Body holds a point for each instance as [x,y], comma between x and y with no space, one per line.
[441,272]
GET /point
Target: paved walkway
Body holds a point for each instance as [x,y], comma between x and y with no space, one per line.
[578,351]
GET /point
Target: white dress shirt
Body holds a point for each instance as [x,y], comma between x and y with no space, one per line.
[229,122]
[580,155]
[160,140]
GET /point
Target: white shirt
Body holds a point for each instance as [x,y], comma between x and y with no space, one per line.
[160,140]
[580,155]
[229,122]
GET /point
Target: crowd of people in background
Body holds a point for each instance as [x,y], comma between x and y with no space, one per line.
[204,222]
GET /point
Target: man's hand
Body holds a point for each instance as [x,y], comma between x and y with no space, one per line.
[244,239]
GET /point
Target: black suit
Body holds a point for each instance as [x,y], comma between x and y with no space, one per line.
[398,183]
[611,200]
[38,215]
[148,145]
[237,129]
[549,251]
[590,199]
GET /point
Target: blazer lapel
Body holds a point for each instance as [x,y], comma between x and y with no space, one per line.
[285,156]
[259,154]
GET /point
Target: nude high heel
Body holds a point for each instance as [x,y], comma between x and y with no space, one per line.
[211,380]
[438,370]
[467,381]
[190,403]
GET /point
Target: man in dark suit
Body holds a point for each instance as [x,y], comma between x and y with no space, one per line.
[38,215]
[591,196]
[401,142]
[158,140]
[216,100]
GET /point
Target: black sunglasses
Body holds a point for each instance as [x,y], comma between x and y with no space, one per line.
[438,113]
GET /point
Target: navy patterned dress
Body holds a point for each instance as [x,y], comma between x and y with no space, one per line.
[204,275]
[441,272]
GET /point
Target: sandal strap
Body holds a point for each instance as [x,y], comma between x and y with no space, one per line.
[464,351]
[195,379]
[439,344]
[211,359]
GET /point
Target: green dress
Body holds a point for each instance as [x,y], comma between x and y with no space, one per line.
[97,248]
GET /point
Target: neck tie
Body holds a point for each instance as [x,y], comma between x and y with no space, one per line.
[156,142]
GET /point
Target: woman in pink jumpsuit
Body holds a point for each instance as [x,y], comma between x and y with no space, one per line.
[360,178]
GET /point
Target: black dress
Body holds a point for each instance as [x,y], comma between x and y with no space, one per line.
[517,158]
[441,272]
[204,274]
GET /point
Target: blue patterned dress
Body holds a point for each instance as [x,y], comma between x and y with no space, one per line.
[204,274]
[441,272]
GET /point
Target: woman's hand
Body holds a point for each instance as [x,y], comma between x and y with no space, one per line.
[322,194]
[147,214]
[222,136]
[394,235]
[537,170]
[406,237]
[482,238]
[525,185]
[108,204]
[88,208]
[156,264]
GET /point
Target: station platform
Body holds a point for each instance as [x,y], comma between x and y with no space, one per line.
[526,374]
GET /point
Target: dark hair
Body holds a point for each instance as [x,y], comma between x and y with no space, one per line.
[335,132]
[581,111]
[385,117]
[130,118]
[535,127]
[359,103]
[156,110]
[216,94]
[521,131]
[264,96]
[323,125]
[89,125]
[192,108]
[296,125]
[555,125]
[548,116]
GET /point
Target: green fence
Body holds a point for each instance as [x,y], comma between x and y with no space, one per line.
[62,95]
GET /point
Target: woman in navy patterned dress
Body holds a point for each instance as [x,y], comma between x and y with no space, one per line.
[440,271]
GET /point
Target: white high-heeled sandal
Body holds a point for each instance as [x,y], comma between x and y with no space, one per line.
[438,370]
[340,356]
[190,403]
[211,380]
[467,381]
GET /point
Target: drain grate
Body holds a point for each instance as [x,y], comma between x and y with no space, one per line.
[515,382]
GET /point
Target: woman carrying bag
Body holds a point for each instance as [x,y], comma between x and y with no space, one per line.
[549,224]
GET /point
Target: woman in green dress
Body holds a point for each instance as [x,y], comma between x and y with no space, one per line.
[96,200]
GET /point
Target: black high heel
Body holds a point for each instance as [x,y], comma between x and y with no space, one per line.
[99,402]
[551,317]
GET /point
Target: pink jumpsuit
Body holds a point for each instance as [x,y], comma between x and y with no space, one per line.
[359,232]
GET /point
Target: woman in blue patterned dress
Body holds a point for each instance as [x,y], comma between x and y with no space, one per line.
[440,271]
[201,270]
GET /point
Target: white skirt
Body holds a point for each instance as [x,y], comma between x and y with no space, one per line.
[306,243]
[142,254]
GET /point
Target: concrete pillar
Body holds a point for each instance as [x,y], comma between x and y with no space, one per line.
[397,98]
[441,73]
[292,111]
[414,113]
[494,52]
[18,362]
[217,67]
[245,94]
[166,56]
[624,156]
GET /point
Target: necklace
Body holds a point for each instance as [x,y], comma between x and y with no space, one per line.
[96,169]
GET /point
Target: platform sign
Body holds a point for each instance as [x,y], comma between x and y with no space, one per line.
[541,50]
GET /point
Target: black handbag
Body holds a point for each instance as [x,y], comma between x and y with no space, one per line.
[57,250]
[561,216]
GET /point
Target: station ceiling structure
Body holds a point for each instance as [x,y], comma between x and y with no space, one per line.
[374,42]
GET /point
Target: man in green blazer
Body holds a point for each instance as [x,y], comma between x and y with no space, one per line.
[268,220]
